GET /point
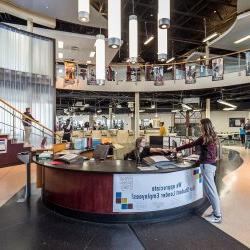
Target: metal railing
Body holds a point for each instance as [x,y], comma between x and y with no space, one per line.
[17,133]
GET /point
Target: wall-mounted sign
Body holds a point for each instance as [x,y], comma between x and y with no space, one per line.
[217,69]
[70,72]
[236,122]
[154,192]
[3,145]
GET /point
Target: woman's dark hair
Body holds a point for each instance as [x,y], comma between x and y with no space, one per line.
[138,142]
[208,133]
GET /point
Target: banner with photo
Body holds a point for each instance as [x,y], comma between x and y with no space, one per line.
[110,74]
[248,63]
[91,78]
[190,70]
[158,76]
[70,72]
[149,73]
[133,74]
[217,69]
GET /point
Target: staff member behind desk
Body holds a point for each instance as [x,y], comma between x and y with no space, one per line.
[67,131]
[141,150]
[163,130]
[208,146]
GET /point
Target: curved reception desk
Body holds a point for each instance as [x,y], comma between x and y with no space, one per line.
[120,191]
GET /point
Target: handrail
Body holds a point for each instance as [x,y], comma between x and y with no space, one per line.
[8,125]
[27,117]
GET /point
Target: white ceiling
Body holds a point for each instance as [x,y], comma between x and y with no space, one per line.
[83,42]
[238,30]
[243,5]
[65,10]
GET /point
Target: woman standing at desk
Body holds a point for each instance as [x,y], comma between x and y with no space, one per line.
[67,131]
[208,146]
[242,134]
[141,150]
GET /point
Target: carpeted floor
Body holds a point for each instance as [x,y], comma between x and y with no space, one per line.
[31,226]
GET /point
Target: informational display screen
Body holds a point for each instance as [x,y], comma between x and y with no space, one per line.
[154,192]
[156,141]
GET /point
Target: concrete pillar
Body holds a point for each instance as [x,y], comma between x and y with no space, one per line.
[110,117]
[91,120]
[208,109]
[137,114]
[30,25]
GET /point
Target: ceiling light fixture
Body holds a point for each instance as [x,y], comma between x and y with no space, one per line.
[242,39]
[162,44]
[226,103]
[229,109]
[60,55]
[142,110]
[92,54]
[88,62]
[170,60]
[169,68]
[100,59]
[185,106]
[210,37]
[133,38]
[83,10]
[163,14]
[175,110]
[152,106]
[151,38]
[114,23]
[60,44]
[99,111]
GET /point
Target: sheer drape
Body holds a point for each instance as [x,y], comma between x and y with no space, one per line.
[26,78]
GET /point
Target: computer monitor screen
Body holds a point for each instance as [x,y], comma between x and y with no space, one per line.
[156,141]
[174,141]
[166,142]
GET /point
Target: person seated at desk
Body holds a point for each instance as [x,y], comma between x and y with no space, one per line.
[141,150]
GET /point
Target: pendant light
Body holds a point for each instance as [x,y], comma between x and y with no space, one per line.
[164,14]
[100,59]
[162,44]
[133,38]
[114,23]
[83,10]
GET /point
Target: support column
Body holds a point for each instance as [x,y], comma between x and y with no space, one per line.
[137,114]
[110,118]
[30,25]
[208,108]
[91,120]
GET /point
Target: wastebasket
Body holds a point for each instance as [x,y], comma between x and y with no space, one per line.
[25,157]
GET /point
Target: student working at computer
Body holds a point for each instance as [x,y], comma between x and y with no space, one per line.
[141,150]
[208,147]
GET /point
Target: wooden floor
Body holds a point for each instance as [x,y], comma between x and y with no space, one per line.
[235,196]
[12,179]
[235,200]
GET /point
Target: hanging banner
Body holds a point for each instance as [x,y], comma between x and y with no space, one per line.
[110,74]
[149,73]
[190,70]
[154,192]
[70,72]
[158,76]
[133,74]
[217,69]
[248,63]
[91,79]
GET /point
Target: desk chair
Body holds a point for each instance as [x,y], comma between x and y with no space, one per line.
[101,152]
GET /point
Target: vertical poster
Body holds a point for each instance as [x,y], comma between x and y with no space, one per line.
[110,74]
[133,74]
[190,70]
[217,69]
[149,73]
[158,76]
[91,79]
[248,63]
[82,72]
[70,72]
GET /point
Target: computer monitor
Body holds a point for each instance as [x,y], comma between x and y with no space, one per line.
[156,141]
[166,142]
[174,141]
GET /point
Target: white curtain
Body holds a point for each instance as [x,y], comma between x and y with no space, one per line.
[26,79]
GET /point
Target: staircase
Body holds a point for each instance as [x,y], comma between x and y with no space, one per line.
[12,142]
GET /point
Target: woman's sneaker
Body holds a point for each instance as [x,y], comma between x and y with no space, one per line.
[215,219]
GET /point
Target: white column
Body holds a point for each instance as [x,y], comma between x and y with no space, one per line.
[208,108]
[30,25]
[110,117]
[137,114]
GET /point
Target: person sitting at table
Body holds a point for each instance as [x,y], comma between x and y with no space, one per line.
[141,150]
